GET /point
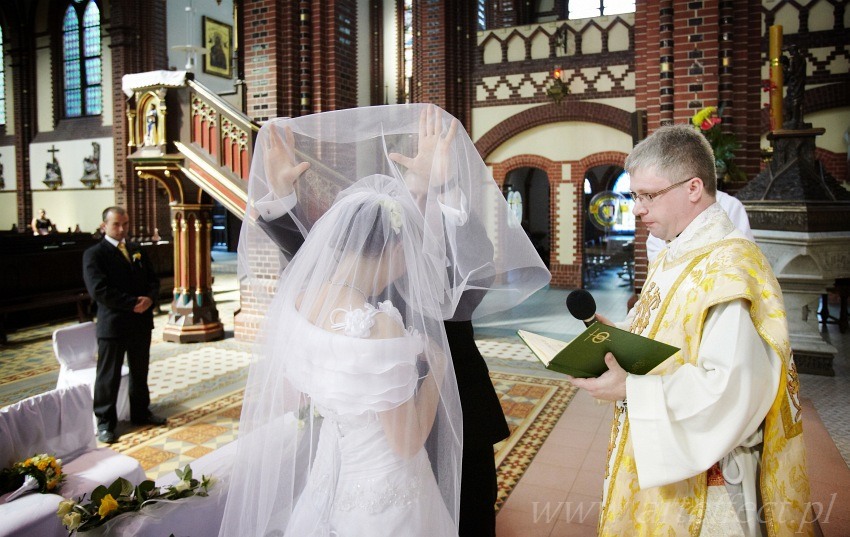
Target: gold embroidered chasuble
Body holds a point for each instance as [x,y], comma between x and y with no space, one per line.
[715,265]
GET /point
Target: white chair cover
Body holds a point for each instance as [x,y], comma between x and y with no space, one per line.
[59,423]
[75,348]
[56,422]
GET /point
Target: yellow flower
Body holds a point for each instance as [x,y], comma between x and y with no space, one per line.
[107,505]
[65,507]
[42,465]
[702,115]
[72,521]
[137,256]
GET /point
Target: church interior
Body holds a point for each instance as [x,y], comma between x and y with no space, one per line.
[155,106]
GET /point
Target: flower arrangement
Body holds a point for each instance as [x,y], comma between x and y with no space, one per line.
[122,497]
[724,144]
[42,473]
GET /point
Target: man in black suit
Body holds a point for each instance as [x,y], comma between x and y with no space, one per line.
[122,282]
[484,422]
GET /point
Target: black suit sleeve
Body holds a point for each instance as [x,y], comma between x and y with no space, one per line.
[284,233]
[153,281]
[97,283]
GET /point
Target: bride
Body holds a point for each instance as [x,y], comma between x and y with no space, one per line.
[351,422]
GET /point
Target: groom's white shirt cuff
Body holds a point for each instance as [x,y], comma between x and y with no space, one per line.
[272,207]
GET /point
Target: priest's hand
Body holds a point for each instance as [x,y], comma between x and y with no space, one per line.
[279,162]
[603,319]
[609,386]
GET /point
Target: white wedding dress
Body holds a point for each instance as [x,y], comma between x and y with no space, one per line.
[358,486]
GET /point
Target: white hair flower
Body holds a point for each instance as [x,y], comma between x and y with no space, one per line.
[394,207]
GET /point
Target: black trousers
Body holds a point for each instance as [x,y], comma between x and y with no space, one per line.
[478,492]
[110,358]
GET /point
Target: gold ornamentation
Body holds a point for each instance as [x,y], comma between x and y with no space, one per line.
[650,299]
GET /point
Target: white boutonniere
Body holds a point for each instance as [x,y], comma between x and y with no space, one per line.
[394,207]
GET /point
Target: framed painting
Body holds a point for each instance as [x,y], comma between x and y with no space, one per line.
[218,40]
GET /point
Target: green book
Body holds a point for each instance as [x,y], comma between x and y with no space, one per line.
[584,356]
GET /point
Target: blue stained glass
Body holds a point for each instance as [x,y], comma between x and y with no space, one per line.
[92,15]
[71,41]
[72,103]
[93,71]
[91,30]
[94,100]
[72,75]
[70,22]
[82,49]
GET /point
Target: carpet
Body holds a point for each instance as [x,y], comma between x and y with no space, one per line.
[532,406]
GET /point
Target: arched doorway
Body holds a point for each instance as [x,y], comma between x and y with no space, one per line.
[608,244]
[527,192]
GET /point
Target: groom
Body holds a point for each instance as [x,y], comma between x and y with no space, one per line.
[483,421]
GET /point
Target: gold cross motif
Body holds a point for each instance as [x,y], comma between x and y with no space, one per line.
[650,299]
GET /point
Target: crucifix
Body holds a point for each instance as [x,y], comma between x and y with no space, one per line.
[53,175]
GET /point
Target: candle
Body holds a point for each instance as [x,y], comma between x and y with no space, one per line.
[776,80]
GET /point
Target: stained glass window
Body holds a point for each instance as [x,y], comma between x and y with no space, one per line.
[82,60]
[2,81]
[482,14]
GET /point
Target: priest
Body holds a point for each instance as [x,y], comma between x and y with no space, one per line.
[710,442]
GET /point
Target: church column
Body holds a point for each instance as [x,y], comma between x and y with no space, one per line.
[138,44]
[194,316]
[444,45]
[21,49]
[272,49]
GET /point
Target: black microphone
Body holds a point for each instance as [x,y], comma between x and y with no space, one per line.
[582,306]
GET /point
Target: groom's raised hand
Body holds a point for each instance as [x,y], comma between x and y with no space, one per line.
[433,147]
[279,162]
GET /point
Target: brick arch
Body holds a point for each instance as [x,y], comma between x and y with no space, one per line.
[604,158]
[502,169]
[601,114]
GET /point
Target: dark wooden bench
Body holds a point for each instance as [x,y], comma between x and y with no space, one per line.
[42,276]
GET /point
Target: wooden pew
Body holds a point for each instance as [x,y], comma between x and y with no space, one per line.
[43,276]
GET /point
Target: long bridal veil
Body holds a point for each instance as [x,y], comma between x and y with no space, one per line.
[403,227]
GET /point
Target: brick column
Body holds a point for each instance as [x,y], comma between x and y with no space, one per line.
[271,51]
[746,67]
[334,54]
[129,21]
[22,49]
[444,48]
